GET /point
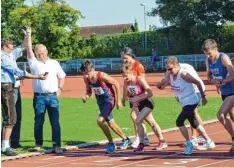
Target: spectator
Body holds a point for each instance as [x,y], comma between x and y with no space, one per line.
[45,93]
[9,70]
[154,56]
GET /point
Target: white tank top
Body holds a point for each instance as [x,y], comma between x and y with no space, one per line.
[185,92]
[193,73]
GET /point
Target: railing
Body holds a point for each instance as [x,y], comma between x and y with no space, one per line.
[113,65]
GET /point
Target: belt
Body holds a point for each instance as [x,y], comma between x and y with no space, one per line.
[44,94]
[6,83]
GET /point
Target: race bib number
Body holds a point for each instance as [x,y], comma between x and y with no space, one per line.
[133,90]
[219,78]
[98,90]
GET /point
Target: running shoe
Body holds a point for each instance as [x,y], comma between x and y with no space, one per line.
[125,143]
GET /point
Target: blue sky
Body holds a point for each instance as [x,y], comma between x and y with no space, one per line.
[108,12]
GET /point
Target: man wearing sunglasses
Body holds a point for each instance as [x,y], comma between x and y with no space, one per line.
[185,85]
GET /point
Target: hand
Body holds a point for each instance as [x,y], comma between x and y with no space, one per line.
[204,101]
[218,89]
[59,92]
[28,31]
[123,102]
[84,99]
[119,105]
[135,106]
[42,77]
[134,99]
[159,85]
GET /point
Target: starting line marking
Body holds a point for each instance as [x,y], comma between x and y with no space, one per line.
[212,163]
[54,157]
[181,161]
[103,164]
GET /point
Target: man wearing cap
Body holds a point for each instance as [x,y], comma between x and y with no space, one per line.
[9,73]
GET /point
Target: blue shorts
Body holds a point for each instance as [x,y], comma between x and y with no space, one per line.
[106,110]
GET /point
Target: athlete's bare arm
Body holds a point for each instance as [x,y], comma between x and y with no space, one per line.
[190,79]
[108,79]
[88,92]
[148,92]
[228,64]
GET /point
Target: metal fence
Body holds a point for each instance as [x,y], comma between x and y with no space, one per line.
[113,65]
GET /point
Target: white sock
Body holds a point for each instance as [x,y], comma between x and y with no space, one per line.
[208,140]
[5,144]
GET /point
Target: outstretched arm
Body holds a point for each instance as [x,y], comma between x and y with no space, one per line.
[30,54]
[164,81]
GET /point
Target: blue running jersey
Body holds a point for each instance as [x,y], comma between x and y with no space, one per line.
[104,92]
[220,72]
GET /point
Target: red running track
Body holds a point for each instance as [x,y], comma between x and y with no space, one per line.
[171,156]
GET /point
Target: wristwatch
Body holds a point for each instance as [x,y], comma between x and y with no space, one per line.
[221,82]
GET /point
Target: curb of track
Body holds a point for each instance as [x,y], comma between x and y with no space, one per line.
[85,145]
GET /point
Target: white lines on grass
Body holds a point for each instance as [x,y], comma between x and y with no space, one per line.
[54,157]
[213,163]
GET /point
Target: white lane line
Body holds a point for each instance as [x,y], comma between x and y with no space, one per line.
[53,157]
[213,163]
[159,166]
[144,160]
[206,157]
[94,164]
[68,161]
[30,162]
[164,156]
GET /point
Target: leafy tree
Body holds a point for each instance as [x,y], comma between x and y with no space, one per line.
[192,15]
[6,7]
[53,24]
[185,13]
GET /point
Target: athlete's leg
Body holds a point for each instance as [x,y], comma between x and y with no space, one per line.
[226,108]
[155,127]
[139,122]
[105,129]
[133,117]
[198,117]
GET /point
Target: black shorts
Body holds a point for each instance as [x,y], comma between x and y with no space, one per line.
[225,96]
[149,103]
